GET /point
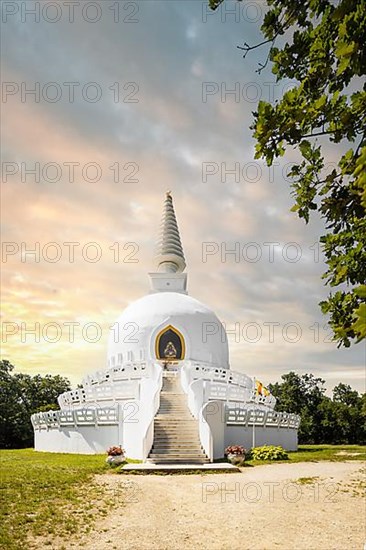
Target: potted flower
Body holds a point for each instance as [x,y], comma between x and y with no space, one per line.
[116,455]
[235,454]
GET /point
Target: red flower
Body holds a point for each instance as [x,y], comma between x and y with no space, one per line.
[235,450]
[115,451]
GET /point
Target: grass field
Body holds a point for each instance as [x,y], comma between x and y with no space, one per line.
[51,495]
[40,490]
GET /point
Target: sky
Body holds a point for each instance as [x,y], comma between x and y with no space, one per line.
[106,106]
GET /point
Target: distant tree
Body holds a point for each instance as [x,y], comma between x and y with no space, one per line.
[301,395]
[325,57]
[323,420]
[21,395]
[343,393]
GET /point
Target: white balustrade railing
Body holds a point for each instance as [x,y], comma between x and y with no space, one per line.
[195,397]
[109,391]
[239,415]
[205,435]
[226,392]
[106,416]
[268,400]
[127,371]
[192,370]
[152,407]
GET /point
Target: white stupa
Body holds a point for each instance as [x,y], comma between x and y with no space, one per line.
[168,394]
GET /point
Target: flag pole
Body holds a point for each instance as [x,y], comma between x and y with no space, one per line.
[253,435]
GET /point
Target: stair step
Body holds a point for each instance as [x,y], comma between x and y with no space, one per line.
[174,415]
[175,400]
[176,450]
[173,428]
[176,411]
[172,407]
[187,414]
[167,417]
[170,426]
[176,433]
[166,456]
[168,423]
[163,428]
[175,445]
[168,407]
[169,436]
[173,431]
[175,404]
[185,445]
[164,460]
[176,440]
[180,410]
[190,420]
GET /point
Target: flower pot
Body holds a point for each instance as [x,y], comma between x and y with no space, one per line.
[115,460]
[235,459]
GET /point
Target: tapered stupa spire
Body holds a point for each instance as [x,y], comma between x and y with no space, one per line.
[169,250]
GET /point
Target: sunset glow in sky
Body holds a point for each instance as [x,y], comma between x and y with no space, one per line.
[151,97]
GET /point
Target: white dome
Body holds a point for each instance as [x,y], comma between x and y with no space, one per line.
[134,335]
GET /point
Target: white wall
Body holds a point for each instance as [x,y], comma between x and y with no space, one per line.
[82,440]
[239,435]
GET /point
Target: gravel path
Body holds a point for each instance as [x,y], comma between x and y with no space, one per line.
[266,507]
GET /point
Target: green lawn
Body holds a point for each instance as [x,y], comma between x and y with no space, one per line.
[40,490]
[48,494]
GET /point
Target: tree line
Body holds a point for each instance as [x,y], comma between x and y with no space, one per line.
[334,420]
[21,395]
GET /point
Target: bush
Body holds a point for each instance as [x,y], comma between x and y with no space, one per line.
[268,452]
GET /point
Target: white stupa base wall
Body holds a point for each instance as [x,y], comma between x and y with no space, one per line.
[286,437]
[86,440]
[91,440]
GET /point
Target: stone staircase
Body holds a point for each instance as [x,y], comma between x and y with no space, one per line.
[176,436]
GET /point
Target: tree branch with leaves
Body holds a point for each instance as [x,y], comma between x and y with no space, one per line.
[324,55]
